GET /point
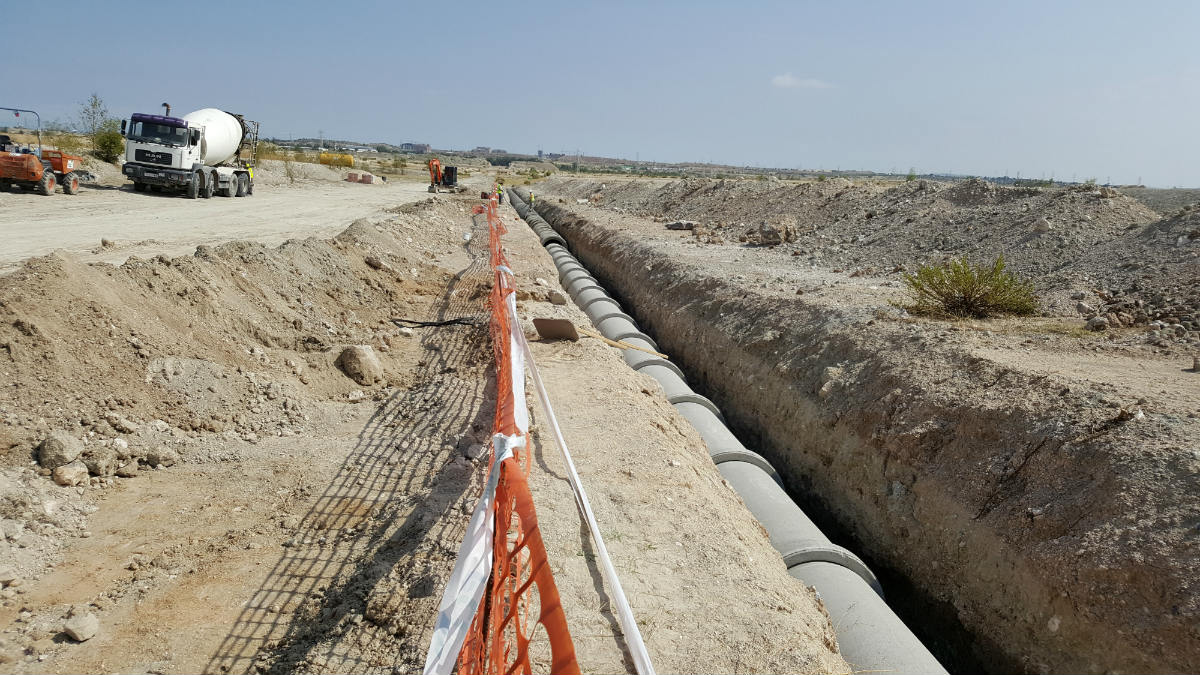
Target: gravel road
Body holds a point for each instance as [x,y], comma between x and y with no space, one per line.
[147,224]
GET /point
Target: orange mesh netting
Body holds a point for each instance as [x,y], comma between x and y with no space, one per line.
[521,586]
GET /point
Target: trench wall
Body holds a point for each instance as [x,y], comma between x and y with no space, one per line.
[914,450]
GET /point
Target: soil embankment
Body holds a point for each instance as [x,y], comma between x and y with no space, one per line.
[241,504]
[1014,471]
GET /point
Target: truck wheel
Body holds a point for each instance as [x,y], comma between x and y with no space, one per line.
[210,186]
[243,184]
[70,184]
[139,187]
[193,186]
[48,183]
[230,188]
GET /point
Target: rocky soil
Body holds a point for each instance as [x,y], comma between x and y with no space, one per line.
[252,459]
[1091,251]
[1035,480]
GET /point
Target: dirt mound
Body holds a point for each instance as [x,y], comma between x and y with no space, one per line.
[1163,201]
[1079,243]
[152,338]
[275,172]
[978,192]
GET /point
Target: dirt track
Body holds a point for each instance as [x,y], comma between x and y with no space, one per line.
[147,224]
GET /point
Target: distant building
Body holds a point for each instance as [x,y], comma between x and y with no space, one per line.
[499,151]
[539,154]
[415,147]
[483,150]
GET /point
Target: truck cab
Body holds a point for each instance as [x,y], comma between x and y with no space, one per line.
[161,151]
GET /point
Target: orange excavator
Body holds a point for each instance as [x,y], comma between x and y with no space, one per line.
[435,174]
[443,180]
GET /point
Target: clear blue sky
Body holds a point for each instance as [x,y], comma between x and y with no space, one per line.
[1078,89]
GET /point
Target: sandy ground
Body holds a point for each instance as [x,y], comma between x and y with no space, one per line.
[311,521]
[147,224]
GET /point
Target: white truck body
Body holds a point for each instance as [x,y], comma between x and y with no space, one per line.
[199,153]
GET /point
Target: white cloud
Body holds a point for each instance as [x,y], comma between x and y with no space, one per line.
[789,81]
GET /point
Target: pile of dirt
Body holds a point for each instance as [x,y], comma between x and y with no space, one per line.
[1078,243]
[186,358]
[242,454]
[276,172]
[1162,200]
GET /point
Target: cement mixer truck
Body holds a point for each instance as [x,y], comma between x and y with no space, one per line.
[205,152]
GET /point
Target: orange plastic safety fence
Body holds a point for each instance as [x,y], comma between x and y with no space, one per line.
[521,583]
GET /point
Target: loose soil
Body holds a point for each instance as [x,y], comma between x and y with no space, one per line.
[1037,479]
[146,224]
[281,517]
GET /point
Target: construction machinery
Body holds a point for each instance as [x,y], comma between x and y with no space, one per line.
[443,179]
[41,169]
[199,154]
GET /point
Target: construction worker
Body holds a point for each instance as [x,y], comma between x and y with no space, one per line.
[531,197]
[499,195]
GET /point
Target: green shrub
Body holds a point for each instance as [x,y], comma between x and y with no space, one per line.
[109,145]
[960,289]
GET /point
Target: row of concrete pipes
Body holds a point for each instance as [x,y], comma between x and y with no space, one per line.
[871,636]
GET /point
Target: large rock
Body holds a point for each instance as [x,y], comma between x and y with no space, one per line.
[770,235]
[360,364]
[1097,323]
[57,449]
[161,456]
[101,461]
[75,473]
[82,626]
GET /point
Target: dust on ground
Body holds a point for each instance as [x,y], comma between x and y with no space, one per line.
[232,501]
[316,203]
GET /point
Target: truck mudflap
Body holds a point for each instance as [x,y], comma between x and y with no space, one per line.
[157,175]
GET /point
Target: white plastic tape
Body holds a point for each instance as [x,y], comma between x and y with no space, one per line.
[633,636]
[468,581]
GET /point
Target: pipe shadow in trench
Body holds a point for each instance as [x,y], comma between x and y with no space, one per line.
[392,509]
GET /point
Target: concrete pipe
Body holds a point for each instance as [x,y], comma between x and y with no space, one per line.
[676,388]
[796,537]
[585,289]
[591,293]
[723,446]
[568,274]
[637,339]
[639,360]
[616,325]
[598,311]
[871,636]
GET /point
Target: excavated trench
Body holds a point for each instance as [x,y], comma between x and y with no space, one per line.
[912,454]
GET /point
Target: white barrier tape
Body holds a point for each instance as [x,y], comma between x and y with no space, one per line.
[516,339]
[468,581]
[633,636]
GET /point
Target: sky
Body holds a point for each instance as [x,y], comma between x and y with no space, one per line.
[1070,90]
